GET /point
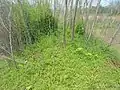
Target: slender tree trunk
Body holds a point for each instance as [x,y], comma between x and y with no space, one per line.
[87,15]
[95,19]
[10,38]
[80,10]
[54,7]
[28,37]
[71,16]
[114,35]
[74,19]
[64,27]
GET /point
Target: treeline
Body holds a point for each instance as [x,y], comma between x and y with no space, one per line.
[23,22]
[27,21]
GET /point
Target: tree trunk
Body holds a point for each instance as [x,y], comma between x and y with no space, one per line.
[95,19]
[114,35]
[71,16]
[10,38]
[87,16]
[74,19]
[64,27]
[28,37]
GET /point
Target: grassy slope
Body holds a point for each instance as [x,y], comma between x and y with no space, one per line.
[51,67]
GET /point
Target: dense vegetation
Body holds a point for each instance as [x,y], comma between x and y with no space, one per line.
[42,56]
[46,65]
[36,21]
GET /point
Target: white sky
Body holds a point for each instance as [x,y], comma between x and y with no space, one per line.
[103,2]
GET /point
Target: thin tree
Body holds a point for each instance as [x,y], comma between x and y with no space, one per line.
[114,35]
[28,37]
[71,16]
[64,26]
[87,15]
[95,19]
[74,19]
[10,37]
[8,29]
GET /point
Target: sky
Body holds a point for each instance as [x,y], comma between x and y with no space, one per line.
[103,2]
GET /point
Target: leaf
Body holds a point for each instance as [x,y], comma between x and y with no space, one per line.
[29,87]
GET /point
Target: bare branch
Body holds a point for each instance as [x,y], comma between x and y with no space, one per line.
[3,24]
[114,35]
[5,50]
[95,19]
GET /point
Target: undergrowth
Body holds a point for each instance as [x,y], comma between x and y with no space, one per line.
[49,66]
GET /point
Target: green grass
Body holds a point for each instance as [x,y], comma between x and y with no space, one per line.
[117,49]
[2,63]
[50,66]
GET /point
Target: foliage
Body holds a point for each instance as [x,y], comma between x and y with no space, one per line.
[80,28]
[42,22]
[36,21]
[50,66]
[46,63]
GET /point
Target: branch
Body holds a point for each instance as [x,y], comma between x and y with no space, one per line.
[114,35]
[3,24]
[95,19]
[5,50]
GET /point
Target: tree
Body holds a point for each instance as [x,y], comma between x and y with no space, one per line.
[25,18]
[95,19]
[115,5]
[74,19]
[8,28]
[88,8]
[71,16]
[65,19]
[114,35]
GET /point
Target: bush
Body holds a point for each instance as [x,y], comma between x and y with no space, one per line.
[80,28]
[42,22]
[34,21]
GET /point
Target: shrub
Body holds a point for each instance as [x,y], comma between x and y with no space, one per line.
[42,22]
[34,20]
[80,28]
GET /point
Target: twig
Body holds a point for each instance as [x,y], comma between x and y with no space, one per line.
[3,24]
[5,50]
[95,19]
[114,35]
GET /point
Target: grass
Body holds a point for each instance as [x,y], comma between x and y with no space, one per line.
[50,66]
[117,49]
[2,63]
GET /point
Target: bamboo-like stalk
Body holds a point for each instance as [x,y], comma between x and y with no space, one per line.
[95,19]
[10,37]
[1,21]
[71,16]
[114,35]
[87,16]
[64,26]
[74,19]
[28,41]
